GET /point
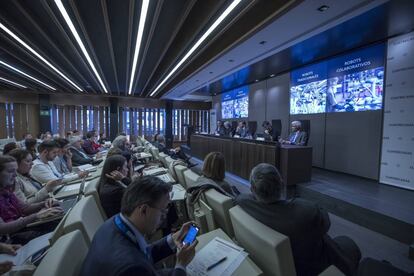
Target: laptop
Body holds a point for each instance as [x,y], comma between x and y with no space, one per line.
[68,203]
[72,190]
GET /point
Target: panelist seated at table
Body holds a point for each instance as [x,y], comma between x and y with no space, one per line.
[228,131]
[176,153]
[220,128]
[297,136]
[269,134]
[242,130]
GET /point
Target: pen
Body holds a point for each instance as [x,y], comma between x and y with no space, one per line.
[217,263]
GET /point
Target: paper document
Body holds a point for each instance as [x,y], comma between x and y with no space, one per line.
[213,252]
[25,252]
[177,193]
[71,187]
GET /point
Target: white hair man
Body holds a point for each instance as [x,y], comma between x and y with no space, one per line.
[297,135]
[302,221]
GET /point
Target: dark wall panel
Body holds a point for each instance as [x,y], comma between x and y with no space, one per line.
[316,136]
[353,142]
[277,101]
[257,103]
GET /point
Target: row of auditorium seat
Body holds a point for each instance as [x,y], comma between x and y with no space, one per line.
[269,249]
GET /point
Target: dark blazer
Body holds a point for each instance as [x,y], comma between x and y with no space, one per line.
[242,132]
[300,139]
[78,159]
[110,195]
[302,221]
[88,147]
[220,131]
[112,253]
[272,136]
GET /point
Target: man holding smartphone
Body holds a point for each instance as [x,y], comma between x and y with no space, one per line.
[119,247]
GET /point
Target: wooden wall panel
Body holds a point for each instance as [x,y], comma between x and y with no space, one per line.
[79,118]
[101,119]
[85,119]
[95,118]
[33,119]
[3,131]
[61,125]
[20,120]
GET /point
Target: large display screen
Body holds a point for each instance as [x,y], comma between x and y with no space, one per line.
[352,82]
[235,103]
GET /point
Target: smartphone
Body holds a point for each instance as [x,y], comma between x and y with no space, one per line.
[191,235]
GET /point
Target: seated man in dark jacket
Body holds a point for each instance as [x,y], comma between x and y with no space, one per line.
[119,246]
[79,156]
[302,221]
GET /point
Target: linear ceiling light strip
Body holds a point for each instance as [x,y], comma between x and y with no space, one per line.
[229,9]
[141,25]
[27,75]
[79,41]
[12,82]
[24,44]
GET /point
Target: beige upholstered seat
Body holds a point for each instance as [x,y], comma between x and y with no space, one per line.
[221,205]
[58,232]
[162,159]
[65,257]
[168,161]
[269,249]
[92,190]
[179,171]
[86,217]
[190,178]
[332,271]
[155,153]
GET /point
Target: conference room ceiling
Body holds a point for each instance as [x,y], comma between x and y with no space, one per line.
[311,36]
[107,30]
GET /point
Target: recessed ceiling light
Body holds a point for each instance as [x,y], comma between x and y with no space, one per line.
[226,12]
[256,80]
[323,8]
[24,44]
[27,75]
[272,75]
[12,82]
[79,41]
[141,25]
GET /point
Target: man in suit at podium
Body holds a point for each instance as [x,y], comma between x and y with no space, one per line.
[297,136]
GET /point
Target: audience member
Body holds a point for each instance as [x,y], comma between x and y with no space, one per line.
[213,173]
[15,215]
[112,184]
[31,146]
[297,135]
[127,155]
[26,188]
[302,221]
[102,138]
[9,249]
[9,147]
[79,157]
[63,160]
[121,142]
[119,246]
[89,145]
[43,169]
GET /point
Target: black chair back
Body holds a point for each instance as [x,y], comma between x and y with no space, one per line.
[252,126]
[277,127]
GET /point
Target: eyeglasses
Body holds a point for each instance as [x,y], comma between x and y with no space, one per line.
[163,211]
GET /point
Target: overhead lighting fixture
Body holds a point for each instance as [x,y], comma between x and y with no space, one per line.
[323,8]
[27,75]
[141,25]
[229,9]
[272,75]
[79,41]
[24,44]
[12,82]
